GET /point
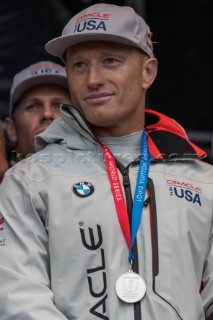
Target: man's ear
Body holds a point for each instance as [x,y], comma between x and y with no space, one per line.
[150,67]
[11,129]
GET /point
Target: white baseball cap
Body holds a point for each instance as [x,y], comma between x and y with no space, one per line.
[104,22]
[43,72]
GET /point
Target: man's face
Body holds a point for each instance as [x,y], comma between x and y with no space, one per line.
[107,85]
[35,111]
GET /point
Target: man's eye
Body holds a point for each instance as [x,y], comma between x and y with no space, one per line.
[110,61]
[34,107]
[79,65]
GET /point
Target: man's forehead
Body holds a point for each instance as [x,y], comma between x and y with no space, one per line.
[100,47]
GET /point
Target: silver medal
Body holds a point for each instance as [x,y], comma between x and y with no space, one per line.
[130,287]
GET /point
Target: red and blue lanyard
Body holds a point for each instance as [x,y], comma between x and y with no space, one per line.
[139,195]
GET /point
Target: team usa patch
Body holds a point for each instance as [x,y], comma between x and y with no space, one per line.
[92,21]
[83,189]
[185,190]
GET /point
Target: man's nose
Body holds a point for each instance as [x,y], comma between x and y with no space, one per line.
[49,113]
[95,76]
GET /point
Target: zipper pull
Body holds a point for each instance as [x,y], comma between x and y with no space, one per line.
[146,202]
[126,181]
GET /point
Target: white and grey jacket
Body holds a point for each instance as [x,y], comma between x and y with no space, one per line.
[61,245]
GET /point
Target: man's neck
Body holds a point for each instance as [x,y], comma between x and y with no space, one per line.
[117,131]
[126,148]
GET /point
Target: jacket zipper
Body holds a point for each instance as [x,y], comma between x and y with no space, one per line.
[129,203]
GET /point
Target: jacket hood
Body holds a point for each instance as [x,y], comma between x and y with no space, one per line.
[70,130]
[166,138]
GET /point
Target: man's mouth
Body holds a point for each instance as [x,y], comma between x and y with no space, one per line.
[98,98]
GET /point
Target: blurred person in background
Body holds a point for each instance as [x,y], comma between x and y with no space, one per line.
[35,98]
[3,158]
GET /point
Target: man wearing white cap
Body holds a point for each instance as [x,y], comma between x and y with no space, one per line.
[115,222]
[36,94]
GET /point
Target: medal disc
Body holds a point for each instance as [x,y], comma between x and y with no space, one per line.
[130,287]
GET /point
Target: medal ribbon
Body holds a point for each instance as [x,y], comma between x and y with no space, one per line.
[139,195]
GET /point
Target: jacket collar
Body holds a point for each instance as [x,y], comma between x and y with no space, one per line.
[166,138]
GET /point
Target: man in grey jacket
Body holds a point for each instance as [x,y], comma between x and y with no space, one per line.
[111,218]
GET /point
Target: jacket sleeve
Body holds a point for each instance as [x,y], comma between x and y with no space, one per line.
[25,285]
[207,292]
